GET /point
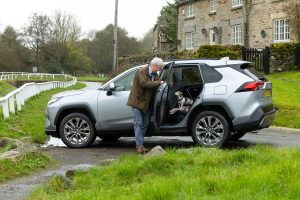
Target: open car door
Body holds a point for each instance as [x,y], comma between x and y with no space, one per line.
[159,101]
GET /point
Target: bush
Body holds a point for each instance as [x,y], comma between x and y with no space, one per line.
[218,51]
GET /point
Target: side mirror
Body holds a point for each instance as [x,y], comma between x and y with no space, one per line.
[111,88]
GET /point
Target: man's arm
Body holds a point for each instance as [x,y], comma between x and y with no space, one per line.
[145,82]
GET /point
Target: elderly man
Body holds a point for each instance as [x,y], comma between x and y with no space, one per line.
[146,81]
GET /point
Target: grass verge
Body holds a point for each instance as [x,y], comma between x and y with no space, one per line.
[286,97]
[93,78]
[259,172]
[26,164]
[31,120]
[5,88]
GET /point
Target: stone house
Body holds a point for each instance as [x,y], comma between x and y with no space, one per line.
[160,44]
[251,23]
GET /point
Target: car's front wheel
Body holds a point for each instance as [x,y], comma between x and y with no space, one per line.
[210,129]
[77,131]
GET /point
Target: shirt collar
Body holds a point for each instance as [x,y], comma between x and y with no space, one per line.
[150,71]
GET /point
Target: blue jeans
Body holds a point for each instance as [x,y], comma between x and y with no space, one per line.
[141,122]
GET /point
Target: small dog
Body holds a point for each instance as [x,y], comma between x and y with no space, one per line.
[183,101]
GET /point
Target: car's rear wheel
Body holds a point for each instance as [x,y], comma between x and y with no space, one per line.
[237,135]
[77,131]
[210,129]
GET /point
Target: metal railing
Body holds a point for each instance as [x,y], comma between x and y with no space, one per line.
[16,99]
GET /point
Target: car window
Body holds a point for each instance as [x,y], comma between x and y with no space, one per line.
[125,82]
[191,76]
[210,75]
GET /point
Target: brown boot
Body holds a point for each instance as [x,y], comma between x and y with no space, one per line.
[140,150]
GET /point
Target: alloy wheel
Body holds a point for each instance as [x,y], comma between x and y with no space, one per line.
[77,131]
[209,130]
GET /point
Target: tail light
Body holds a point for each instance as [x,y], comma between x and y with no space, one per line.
[250,86]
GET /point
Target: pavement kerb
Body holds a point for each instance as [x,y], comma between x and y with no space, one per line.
[283,129]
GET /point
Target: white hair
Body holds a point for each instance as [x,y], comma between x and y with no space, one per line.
[157,61]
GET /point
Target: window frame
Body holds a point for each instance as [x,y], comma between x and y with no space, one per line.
[189,45]
[236,3]
[281,32]
[190,10]
[237,34]
[212,34]
[213,6]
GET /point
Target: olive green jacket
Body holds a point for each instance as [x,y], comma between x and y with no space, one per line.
[142,89]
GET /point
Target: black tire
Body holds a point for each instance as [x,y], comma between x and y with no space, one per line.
[109,138]
[77,130]
[210,129]
[237,135]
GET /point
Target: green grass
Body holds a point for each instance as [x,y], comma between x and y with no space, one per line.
[93,78]
[23,166]
[259,172]
[286,96]
[5,88]
[30,121]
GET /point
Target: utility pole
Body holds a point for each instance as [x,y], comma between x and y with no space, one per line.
[115,41]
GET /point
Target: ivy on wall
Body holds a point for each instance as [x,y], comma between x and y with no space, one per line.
[283,57]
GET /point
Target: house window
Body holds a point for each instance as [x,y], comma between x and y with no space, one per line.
[281,30]
[190,10]
[189,40]
[236,3]
[236,34]
[212,37]
[213,5]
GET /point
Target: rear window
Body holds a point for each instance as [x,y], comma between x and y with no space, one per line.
[249,70]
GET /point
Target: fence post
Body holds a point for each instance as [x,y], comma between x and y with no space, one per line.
[297,56]
[243,53]
[266,60]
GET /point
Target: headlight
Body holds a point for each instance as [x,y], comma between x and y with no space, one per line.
[54,100]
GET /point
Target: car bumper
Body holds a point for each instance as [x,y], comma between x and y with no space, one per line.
[258,120]
[50,129]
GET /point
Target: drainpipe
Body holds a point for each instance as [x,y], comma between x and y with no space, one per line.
[246,12]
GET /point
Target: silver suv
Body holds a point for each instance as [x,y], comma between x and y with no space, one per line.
[229,99]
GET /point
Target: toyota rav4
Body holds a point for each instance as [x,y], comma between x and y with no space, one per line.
[229,98]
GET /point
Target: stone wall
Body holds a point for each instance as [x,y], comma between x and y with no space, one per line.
[282,56]
[134,60]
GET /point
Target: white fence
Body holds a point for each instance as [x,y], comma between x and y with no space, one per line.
[15,75]
[17,98]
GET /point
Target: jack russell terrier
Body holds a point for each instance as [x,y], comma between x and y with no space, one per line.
[183,101]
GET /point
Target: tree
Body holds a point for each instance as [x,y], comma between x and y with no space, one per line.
[167,23]
[36,34]
[10,36]
[65,33]
[147,42]
[100,49]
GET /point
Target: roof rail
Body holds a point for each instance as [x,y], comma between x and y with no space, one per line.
[225,59]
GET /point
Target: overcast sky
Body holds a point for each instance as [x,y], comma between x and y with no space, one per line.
[136,16]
